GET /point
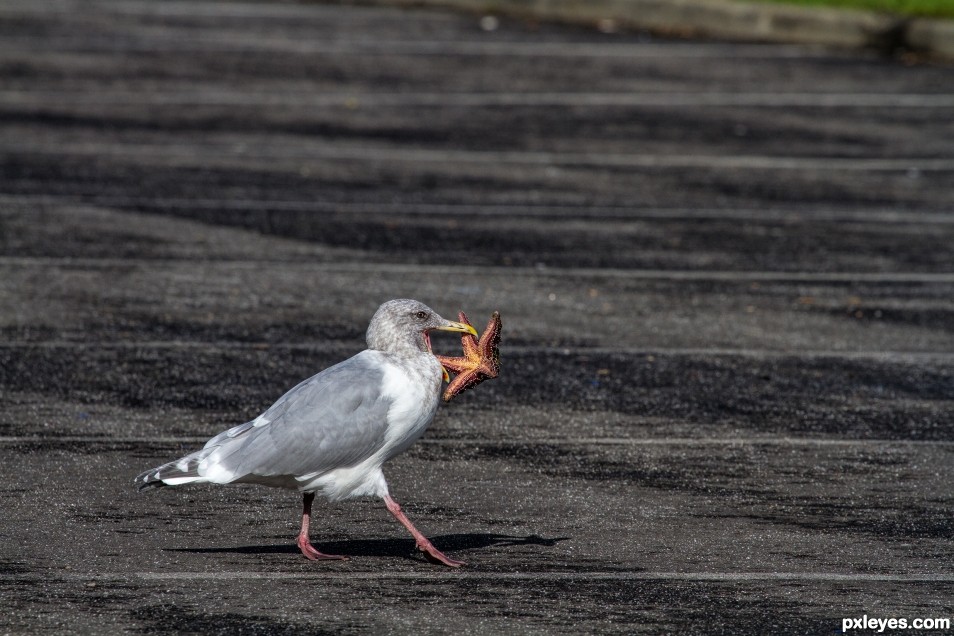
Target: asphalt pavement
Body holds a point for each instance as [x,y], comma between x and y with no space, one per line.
[725,273]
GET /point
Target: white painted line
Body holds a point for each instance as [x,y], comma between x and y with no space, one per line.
[530,441]
[688,441]
[282,98]
[901,357]
[451,271]
[350,41]
[98,439]
[464,575]
[818,354]
[227,345]
[250,41]
[621,160]
[511,211]
[78,11]
[252,152]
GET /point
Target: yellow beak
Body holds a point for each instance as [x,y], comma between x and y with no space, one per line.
[459,327]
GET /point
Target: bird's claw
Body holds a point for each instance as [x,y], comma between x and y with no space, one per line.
[309,552]
[436,556]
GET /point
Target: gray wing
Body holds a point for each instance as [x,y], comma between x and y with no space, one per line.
[334,419]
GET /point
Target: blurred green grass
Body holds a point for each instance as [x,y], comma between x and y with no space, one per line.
[929,8]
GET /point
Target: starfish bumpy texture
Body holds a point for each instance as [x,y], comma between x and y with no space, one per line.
[481,359]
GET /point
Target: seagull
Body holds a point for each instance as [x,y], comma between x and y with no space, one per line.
[332,433]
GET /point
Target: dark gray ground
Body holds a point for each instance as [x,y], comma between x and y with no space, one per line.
[726,276]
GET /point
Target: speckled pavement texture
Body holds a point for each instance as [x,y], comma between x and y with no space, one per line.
[725,272]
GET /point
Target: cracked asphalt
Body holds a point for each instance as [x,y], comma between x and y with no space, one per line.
[725,272]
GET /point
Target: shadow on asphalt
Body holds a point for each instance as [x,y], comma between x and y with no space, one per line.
[388,547]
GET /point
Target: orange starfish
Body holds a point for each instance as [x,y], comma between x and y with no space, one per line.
[481,359]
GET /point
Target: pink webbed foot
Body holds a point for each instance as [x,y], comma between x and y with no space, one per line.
[304,544]
[436,556]
[423,544]
[309,552]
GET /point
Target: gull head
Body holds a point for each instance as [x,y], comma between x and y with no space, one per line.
[401,326]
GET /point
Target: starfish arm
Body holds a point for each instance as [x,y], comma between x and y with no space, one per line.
[467,341]
[457,365]
[491,336]
[461,383]
[489,340]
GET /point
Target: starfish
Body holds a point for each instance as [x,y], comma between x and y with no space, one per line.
[481,359]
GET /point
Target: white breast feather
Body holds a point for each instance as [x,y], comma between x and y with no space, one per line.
[413,407]
[414,403]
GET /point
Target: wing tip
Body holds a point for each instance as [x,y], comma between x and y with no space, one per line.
[148,479]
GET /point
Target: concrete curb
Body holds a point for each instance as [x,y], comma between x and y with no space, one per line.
[931,36]
[731,19]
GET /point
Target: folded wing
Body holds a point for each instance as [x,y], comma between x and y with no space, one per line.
[335,419]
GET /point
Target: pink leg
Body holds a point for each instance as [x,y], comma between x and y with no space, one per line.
[304,543]
[423,544]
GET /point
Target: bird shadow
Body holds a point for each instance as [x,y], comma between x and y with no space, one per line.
[388,547]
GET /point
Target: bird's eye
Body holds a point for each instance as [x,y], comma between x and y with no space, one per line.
[421,315]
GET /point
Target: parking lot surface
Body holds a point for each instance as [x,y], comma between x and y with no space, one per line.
[725,273]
